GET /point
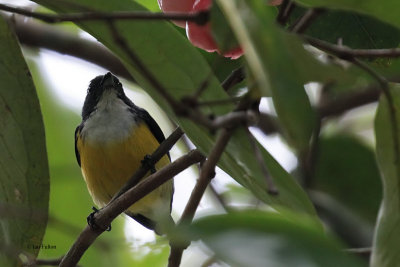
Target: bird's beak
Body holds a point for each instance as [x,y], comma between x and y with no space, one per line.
[108,80]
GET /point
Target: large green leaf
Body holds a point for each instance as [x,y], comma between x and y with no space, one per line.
[386,242]
[355,30]
[181,69]
[384,10]
[24,173]
[279,64]
[254,238]
[344,164]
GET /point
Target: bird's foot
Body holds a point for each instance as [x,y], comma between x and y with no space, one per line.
[147,162]
[92,223]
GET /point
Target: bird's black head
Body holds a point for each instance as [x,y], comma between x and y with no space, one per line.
[97,87]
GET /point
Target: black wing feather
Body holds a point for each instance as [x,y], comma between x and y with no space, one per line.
[146,117]
[77,131]
[153,126]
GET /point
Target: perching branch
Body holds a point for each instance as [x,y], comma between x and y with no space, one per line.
[199,17]
[106,215]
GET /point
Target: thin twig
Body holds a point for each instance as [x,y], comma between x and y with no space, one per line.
[203,86]
[234,118]
[234,78]
[35,34]
[199,17]
[105,216]
[305,21]
[221,200]
[309,157]
[206,174]
[218,102]
[272,189]
[344,52]
[362,252]
[284,11]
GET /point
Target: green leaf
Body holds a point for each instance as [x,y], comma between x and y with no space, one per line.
[386,242]
[24,173]
[255,238]
[290,195]
[274,59]
[181,70]
[221,32]
[347,170]
[355,30]
[386,10]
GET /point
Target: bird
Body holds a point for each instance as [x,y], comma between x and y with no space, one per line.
[111,142]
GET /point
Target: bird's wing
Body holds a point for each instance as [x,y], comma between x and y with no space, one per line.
[77,132]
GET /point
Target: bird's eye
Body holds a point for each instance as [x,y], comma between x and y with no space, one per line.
[119,84]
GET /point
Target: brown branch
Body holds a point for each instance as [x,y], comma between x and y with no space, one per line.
[218,102]
[206,174]
[48,262]
[234,118]
[106,215]
[221,200]
[40,35]
[305,21]
[362,252]
[344,52]
[234,78]
[267,124]
[199,17]
[284,11]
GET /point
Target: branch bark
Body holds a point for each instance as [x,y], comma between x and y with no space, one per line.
[206,174]
[40,35]
[198,17]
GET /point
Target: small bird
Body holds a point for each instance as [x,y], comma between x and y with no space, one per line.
[111,142]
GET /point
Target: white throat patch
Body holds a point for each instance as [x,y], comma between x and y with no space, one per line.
[111,121]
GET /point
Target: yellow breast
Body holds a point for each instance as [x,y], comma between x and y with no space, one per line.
[106,166]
